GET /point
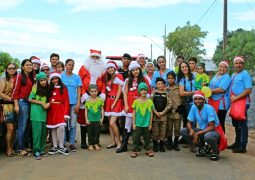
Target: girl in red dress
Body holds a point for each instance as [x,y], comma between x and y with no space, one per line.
[130,94]
[58,113]
[114,101]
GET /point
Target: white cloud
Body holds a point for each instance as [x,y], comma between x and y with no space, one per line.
[80,5]
[25,24]
[6,4]
[245,16]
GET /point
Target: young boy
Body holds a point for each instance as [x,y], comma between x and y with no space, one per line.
[162,104]
[94,114]
[142,121]
[173,116]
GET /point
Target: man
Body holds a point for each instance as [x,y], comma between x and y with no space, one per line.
[192,64]
[126,60]
[90,73]
[179,60]
[54,58]
[240,87]
[207,120]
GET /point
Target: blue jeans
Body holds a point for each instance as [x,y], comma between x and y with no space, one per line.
[24,111]
[72,125]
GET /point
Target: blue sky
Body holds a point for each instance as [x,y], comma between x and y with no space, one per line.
[72,27]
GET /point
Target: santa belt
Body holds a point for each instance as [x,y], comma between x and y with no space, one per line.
[55,102]
[113,97]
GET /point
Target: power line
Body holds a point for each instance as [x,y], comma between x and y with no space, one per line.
[207,10]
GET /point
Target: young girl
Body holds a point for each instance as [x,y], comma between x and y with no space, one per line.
[130,94]
[113,102]
[173,116]
[142,120]
[73,84]
[23,86]
[39,104]
[202,79]
[60,67]
[162,105]
[58,113]
[94,114]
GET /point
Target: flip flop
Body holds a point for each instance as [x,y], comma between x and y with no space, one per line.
[111,146]
[9,155]
[150,153]
[133,154]
[91,148]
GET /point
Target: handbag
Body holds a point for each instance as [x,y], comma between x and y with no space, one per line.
[223,139]
[238,109]
[214,103]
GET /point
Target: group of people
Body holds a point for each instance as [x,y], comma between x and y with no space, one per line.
[46,102]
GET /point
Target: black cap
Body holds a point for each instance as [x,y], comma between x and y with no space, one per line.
[126,55]
[160,79]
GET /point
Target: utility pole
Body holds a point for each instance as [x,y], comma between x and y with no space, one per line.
[225,27]
[165,42]
[151,53]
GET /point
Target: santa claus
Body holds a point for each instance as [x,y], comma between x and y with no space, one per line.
[91,73]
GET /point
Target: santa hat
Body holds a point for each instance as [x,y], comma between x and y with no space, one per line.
[111,64]
[133,65]
[94,52]
[55,74]
[140,56]
[239,58]
[44,65]
[149,63]
[199,94]
[226,62]
[36,60]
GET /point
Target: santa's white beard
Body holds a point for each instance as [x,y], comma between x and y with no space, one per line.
[96,68]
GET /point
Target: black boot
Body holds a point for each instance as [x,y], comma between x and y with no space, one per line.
[155,146]
[176,143]
[124,142]
[232,146]
[83,137]
[169,145]
[161,146]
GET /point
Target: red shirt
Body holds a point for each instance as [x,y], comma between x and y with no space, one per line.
[22,91]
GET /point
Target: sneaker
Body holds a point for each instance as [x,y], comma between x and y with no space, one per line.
[72,148]
[37,156]
[63,151]
[44,154]
[214,157]
[200,152]
[54,150]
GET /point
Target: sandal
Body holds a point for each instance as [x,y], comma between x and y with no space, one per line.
[150,153]
[91,148]
[97,147]
[9,155]
[23,153]
[133,154]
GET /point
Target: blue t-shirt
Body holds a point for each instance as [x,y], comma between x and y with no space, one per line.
[72,83]
[157,74]
[224,83]
[206,115]
[240,82]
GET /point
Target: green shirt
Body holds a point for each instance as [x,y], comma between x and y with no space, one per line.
[94,109]
[38,113]
[201,78]
[142,112]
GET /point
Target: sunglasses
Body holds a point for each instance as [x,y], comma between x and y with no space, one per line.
[43,70]
[11,68]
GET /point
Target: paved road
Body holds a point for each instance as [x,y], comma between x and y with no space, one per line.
[106,164]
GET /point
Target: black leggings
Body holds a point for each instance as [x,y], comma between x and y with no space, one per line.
[222,117]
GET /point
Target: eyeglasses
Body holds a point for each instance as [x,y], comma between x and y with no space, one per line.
[11,68]
[43,70]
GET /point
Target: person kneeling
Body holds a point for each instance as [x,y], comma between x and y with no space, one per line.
[207,120]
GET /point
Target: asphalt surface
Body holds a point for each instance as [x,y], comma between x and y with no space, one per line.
[106,164]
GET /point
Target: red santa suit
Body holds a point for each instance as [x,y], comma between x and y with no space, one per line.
[59,108]
[112,88]
[92,72]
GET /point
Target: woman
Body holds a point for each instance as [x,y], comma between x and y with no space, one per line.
[186,82]
[73,84]
[6,88]
[150,71]
[220,97]
[162,71]
[141,60]
[23,86]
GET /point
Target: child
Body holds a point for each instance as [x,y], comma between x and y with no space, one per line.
[130,94]
[60,67]
[38,114]
[94,114]
[173,116]
[142,121]
[162,104]
[58,113]
[113,102]
[202,79]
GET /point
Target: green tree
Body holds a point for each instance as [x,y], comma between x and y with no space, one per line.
[240,43]
[6,58]
[187,41]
